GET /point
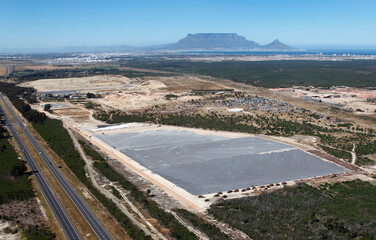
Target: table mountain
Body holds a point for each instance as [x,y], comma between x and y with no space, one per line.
[214,41]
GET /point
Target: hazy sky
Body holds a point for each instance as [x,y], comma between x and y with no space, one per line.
[59,23]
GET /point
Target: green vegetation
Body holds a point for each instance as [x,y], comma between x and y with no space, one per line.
[89,105]
[177,230]
[38,233]
[209,229]
[259,124]
[341,211]
[14,182]
[259,73]
[90,152]
[337,153]
[47,107]
[17,95]
[171,96]
[31,75]
[274,73]
[115,192]
[60,141]
[364,161]
[235,123]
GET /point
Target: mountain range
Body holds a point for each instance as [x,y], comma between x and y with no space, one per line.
[194,42]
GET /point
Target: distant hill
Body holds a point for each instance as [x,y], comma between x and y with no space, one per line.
[277,45]
[215,41]
[198,42]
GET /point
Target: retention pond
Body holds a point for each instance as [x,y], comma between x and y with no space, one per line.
[203,164]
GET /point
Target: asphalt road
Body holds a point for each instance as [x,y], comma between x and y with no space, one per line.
[8,71]
[97,227]
[59,213]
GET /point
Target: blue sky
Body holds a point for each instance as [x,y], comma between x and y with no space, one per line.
[302,23]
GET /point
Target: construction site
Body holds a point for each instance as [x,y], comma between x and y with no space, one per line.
[194,167]
[157,143]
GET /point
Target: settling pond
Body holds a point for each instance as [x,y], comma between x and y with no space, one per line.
[203,164]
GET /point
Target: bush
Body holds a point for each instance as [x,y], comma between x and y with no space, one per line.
[340,211]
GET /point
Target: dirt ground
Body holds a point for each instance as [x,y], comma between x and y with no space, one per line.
[41,67]
[8,231]
[140,94]
[352,99]
[123,93]
[3,70]
[24,213]
[95,83]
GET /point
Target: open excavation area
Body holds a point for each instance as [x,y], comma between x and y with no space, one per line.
[204,162]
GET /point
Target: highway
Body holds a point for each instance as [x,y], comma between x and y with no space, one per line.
[97,227]
[8,71]
[68,229]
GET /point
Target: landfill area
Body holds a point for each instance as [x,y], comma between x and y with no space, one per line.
[206,162]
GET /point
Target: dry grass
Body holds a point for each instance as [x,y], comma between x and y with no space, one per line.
[187,83]
[3,70]
[142,70]
[40,67]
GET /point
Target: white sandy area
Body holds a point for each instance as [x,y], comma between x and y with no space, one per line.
[351,98]
[141,127]
[66,84]
[154,84]
[134,101]
[8,236]
[235,110]
[120,126]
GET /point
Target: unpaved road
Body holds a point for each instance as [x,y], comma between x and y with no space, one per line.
[353,154]
[154,234]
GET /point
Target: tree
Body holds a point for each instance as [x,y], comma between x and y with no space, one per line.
[18,169]
[90,95]
[47,107]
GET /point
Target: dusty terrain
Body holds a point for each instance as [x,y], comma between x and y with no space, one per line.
[41,67]
[24,213]
[352,99]
[95,83]
[149,94]
[123,93]
[8,231]
[21,215]
[3,70]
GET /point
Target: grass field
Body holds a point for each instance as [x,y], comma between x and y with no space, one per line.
[3,70]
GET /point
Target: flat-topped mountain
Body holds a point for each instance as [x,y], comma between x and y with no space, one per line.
[223,41]
[212,41]
[198,42]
